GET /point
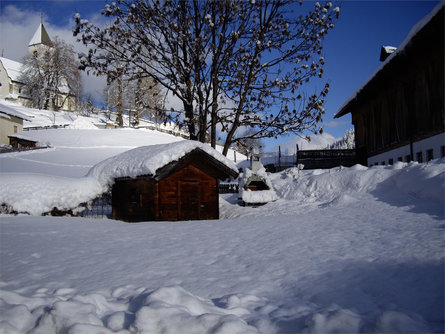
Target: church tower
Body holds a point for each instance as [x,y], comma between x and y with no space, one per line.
[40,40]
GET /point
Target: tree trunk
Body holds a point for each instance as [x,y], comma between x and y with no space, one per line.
[119,119]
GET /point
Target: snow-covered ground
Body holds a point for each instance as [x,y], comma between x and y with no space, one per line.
[344,250]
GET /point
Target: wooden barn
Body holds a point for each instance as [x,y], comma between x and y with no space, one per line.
[398,114]
[182,185]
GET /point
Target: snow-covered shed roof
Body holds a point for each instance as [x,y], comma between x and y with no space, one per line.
[13,68]
[11,111]
[148,160]
[40,37]
[416,31]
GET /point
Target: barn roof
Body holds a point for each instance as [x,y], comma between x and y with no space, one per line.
[159,160]
[423,33]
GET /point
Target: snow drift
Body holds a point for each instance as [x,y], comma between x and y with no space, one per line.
[38,194]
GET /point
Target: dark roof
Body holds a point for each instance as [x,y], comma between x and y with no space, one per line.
[201,160]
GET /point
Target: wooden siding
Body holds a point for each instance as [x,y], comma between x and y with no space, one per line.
[408,108]
[182,190]
[134,199]
[188,194]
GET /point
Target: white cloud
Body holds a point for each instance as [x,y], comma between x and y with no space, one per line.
[317,142]
[16,30]
[333,124]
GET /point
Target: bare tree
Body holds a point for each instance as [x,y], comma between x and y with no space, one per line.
[141,97]
[51,75]
[232,63]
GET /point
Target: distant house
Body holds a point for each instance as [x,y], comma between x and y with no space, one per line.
[11,86]
[399,113]
[168,182]
[11,123]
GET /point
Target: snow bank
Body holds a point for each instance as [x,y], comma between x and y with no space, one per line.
[147,160]
[82,122]
[37,194]
[425,181]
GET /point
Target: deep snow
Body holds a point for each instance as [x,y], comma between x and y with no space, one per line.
[344,250]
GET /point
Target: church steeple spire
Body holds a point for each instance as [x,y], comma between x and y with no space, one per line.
[40,37]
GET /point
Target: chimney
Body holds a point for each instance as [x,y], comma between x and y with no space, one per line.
[255,160]
[386,51]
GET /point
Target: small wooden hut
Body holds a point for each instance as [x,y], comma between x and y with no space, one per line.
[183,189]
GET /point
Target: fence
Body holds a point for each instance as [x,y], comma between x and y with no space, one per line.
[99,208]
[46,127]
[228,188]
[313,159]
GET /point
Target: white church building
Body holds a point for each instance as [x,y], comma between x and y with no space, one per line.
[13,89]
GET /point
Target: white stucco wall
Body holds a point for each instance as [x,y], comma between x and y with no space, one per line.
[7,127]
[4,81]
[435,143]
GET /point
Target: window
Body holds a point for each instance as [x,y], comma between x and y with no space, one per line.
[442,151]
[15,129]
[408,158]
[391,161]
[429,155]
[400,159]
[135,197]
[419,156]
[383,163]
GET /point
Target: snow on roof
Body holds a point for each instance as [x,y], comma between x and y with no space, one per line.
[10,110]
[413,32]
[389,49]
[146,160]
[21,136]
[13,68]
[40,36]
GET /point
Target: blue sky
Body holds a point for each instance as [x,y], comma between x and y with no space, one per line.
[351,49]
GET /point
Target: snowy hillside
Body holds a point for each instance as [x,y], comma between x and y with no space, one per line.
[344,250]
[74,149]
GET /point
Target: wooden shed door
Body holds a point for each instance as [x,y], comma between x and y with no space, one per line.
[190,200]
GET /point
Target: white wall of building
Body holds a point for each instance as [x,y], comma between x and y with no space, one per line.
[435,143]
